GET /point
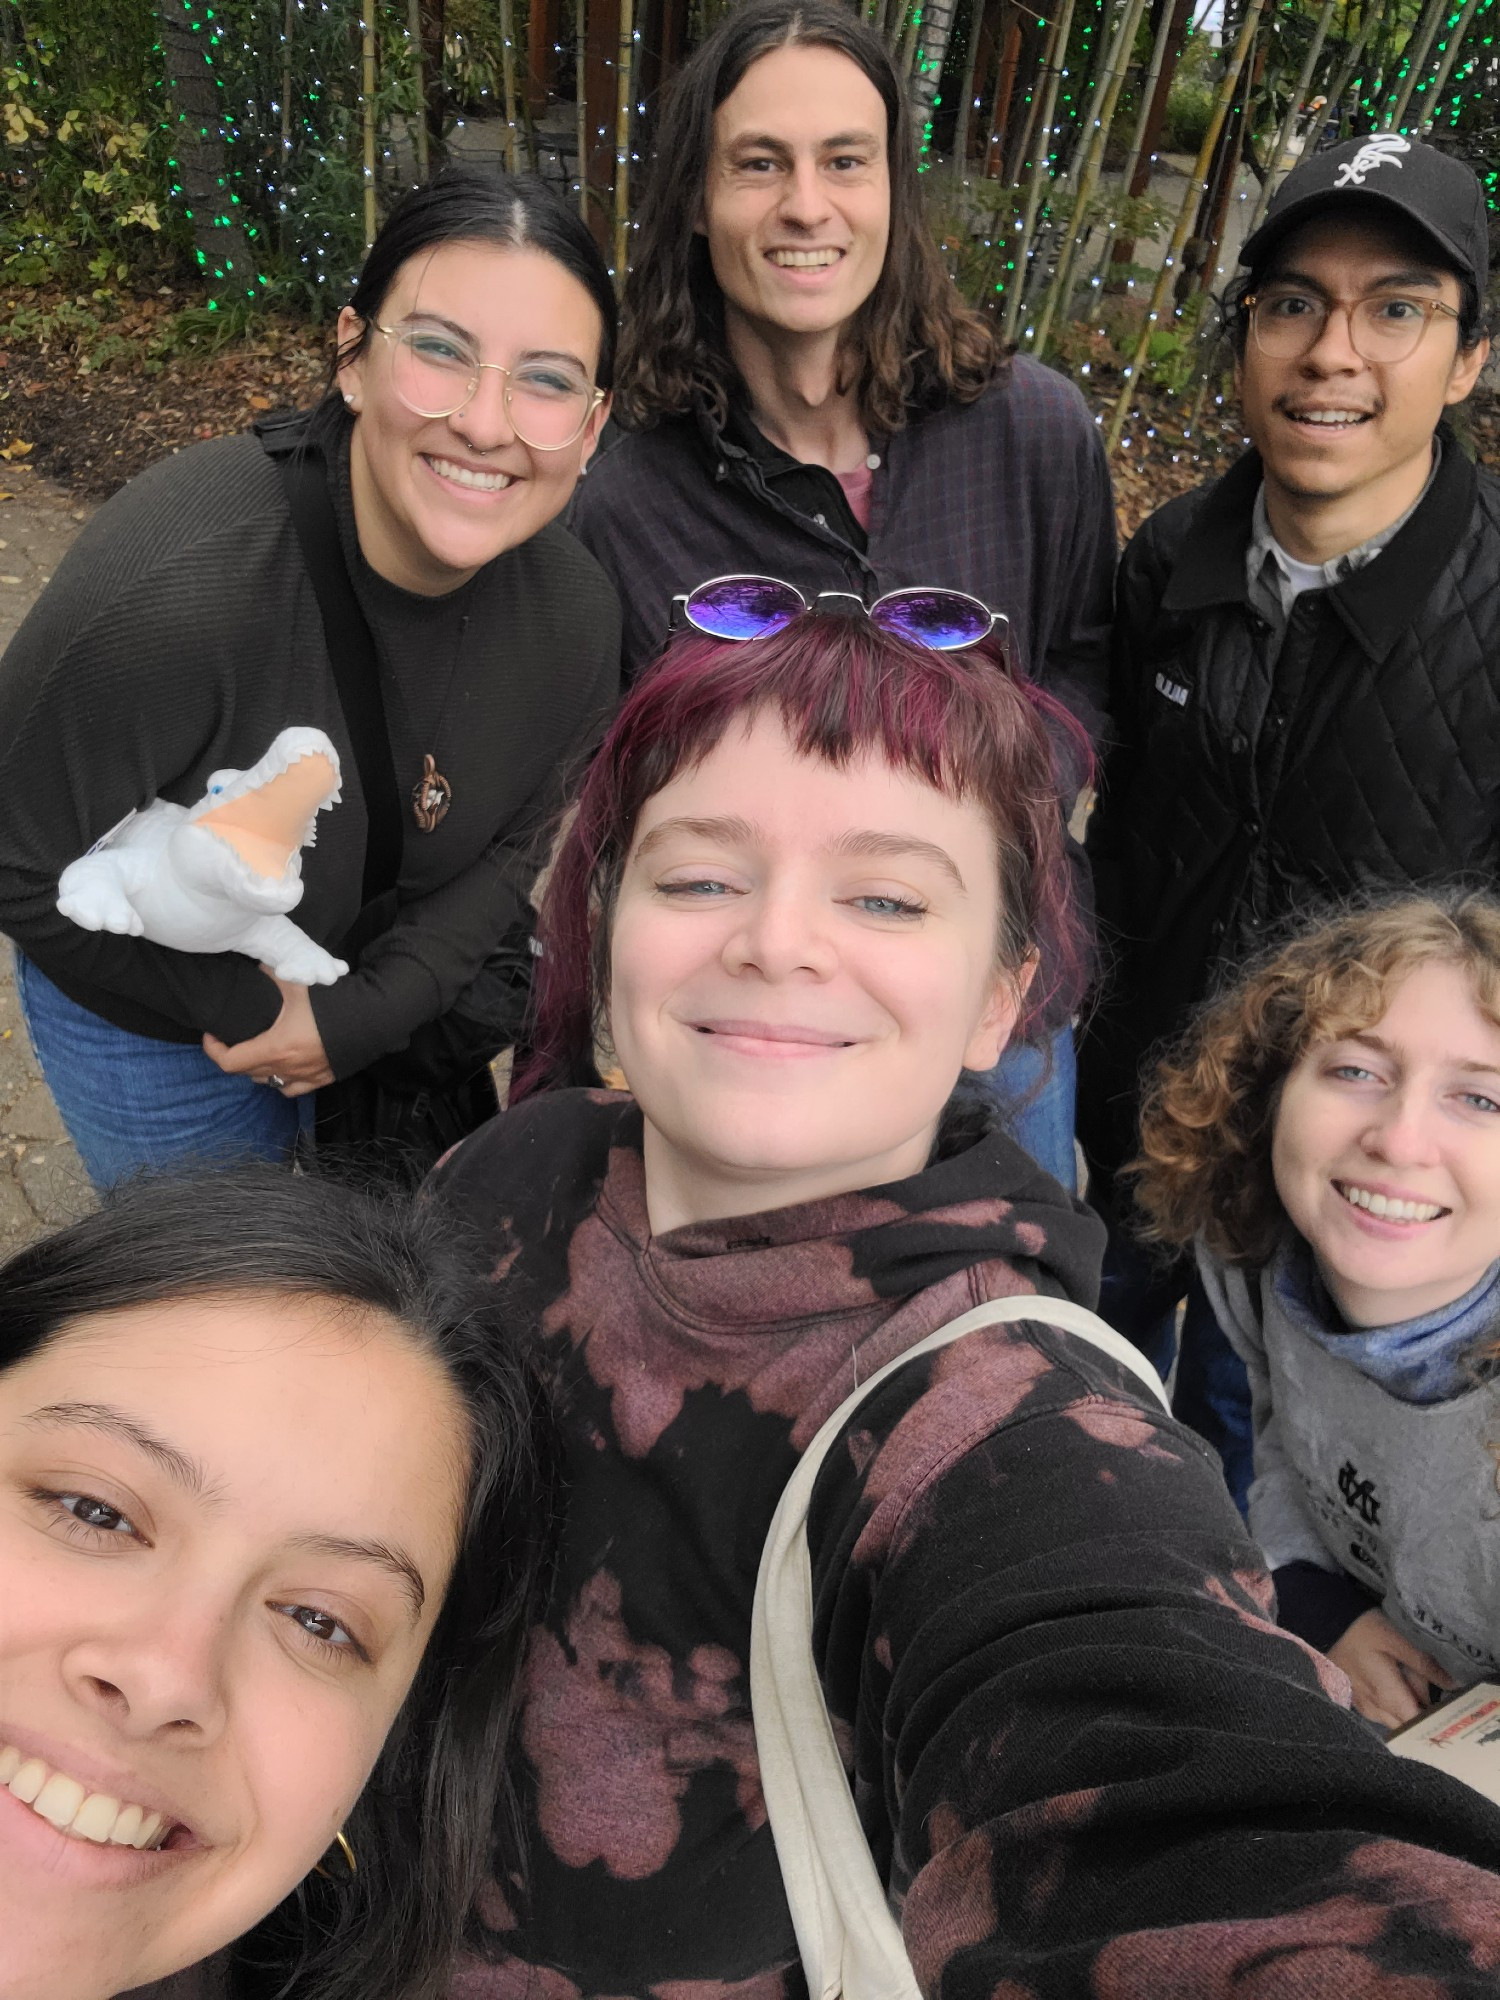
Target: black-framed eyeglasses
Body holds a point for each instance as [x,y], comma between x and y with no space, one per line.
[1288,322]
[753,607]
[436,374]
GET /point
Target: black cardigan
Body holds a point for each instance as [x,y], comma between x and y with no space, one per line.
[181,633]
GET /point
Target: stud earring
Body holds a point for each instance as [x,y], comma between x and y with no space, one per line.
[341,1842]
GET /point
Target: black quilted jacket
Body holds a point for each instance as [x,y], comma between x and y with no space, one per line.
[1253,776]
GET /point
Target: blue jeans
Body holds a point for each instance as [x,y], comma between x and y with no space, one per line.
[130,1102]
[1139,1296]
[1042,1123]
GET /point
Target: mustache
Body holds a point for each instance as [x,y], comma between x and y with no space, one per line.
[1289,406]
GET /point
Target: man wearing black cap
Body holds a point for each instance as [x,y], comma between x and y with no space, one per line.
[1306,684]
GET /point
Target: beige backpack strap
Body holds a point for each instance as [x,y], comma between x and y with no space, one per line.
[849,1940]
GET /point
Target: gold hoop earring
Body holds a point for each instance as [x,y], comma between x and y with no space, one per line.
[341,1842]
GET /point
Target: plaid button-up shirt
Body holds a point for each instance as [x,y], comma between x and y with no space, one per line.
[1007,497]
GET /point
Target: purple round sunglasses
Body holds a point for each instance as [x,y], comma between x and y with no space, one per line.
[753,607]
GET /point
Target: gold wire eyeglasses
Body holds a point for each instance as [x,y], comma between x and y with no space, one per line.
[436,374]
[1385,326]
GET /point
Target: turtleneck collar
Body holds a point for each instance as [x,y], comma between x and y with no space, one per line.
[986,1203]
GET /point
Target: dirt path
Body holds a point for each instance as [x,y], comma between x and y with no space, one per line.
[41,1180]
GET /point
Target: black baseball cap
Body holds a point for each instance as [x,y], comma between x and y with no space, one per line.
[1390,172]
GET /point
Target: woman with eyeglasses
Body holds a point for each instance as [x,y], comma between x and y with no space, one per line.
[809,884]
[389,571]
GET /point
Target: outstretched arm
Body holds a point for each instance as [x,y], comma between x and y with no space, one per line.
[1095,1764]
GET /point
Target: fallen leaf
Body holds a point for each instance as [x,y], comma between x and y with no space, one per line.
[17,448]
[7,496]
[260,402]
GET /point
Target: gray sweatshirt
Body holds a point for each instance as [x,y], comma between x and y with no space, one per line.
[1400,1495]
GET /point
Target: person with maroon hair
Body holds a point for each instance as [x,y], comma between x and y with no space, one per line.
[806,886]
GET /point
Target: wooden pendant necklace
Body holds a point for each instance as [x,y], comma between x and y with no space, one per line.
[431,796]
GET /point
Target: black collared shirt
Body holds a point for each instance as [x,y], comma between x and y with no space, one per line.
[811,490]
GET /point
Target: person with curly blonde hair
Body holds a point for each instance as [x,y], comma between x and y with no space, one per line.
[1327,1135]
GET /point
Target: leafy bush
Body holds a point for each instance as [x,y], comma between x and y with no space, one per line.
[94,192]
[85,146]
[1190,101]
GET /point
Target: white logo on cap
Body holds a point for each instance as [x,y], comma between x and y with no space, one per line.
[1373,153]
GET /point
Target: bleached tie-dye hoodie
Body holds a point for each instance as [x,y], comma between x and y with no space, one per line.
[1087,1762]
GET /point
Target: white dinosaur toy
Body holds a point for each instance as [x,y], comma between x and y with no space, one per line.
[218,875]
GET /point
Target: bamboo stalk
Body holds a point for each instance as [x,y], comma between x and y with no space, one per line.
[1052,62]
[1289,123]
[288,23]
[1137,141]
[1097,88]
[1383,44]
[1445,67]
[624,71]
[414,37]
[1224,97]
[581,109]
[966,94]
[1350,64]
[1116,64]
[530,151]
[1148,87]
[367,92]
[508,76]
[1082,132]
[1416,65]
[1028,131]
